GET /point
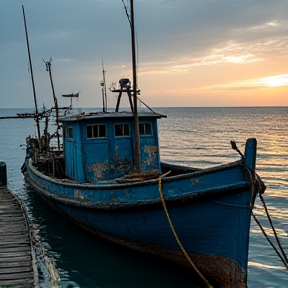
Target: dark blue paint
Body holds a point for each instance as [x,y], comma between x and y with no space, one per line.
[94,160]
[210,209]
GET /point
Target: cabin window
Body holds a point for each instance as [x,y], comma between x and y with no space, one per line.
[145,129]
[69,132]
[122,130]
[96,131]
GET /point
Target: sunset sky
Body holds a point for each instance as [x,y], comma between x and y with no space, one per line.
[190,52]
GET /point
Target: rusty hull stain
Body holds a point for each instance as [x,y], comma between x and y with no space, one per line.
[98,169]
[78,195]
[221,272]
[151,150]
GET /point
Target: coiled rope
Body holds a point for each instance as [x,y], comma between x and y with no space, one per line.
[207,284]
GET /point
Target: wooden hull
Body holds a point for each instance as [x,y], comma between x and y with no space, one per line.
[210,211]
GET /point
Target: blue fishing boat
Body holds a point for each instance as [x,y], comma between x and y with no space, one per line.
[106,175]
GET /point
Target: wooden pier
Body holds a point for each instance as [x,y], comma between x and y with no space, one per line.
[16,254]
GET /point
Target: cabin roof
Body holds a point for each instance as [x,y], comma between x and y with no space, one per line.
[106,115]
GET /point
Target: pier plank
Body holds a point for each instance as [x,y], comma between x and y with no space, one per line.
[16,267]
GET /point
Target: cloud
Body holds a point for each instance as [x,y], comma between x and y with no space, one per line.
[182,38]
[250,84]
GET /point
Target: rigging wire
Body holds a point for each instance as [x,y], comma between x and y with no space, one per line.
[137,46]
[148,107]
[127,14]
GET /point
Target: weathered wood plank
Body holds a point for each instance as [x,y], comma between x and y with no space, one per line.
[17,230]
[13,224]
[12,220]
[25,275]
[18,248]
[16,267]
[13,270]
[15,239]
[15,254]
[17,259]
[7,209]
[12,245]
[15,264]
[17,284]
[11,213]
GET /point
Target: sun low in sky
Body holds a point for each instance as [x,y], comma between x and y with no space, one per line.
[190,53]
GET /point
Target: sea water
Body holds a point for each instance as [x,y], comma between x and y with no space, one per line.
[197,137]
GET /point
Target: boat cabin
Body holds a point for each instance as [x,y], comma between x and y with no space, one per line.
[99,146]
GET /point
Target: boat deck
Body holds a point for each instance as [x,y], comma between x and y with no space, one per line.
[16,258]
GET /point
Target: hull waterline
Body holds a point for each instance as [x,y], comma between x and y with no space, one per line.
[212,222]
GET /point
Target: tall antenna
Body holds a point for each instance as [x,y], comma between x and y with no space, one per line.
[32,77]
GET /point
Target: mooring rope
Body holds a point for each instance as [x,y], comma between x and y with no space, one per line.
[282,257]
[261,188]
[207,284]
[269,241]
[272,226]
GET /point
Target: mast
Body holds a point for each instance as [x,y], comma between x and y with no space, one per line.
[135,112]
[48,68]
[104,93]
[32,77]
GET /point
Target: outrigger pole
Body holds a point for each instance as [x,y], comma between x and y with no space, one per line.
[32,77]
[135,112]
